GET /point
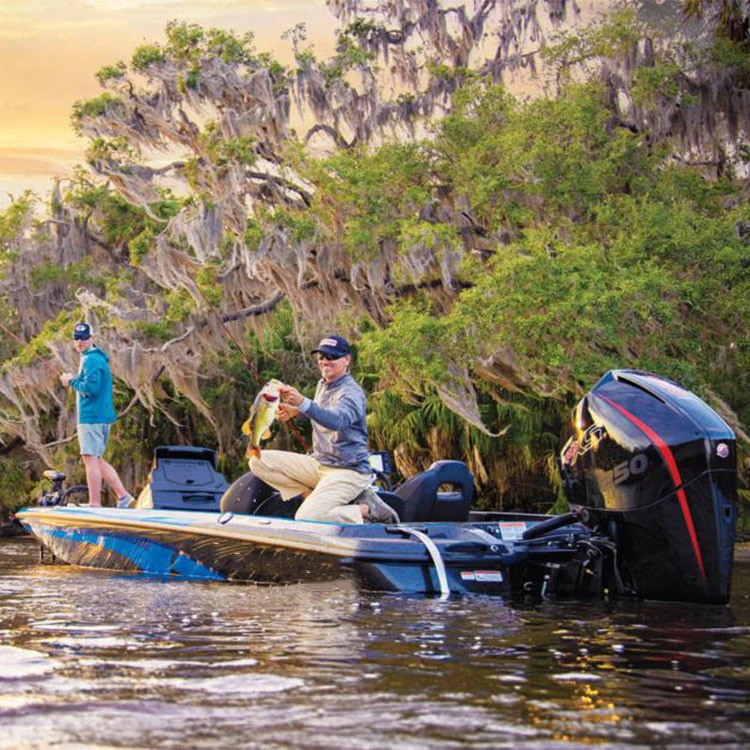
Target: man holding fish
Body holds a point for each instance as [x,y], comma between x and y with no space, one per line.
[337,470]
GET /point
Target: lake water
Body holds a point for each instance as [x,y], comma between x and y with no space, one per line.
[90,659]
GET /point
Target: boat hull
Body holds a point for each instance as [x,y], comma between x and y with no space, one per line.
[483,557]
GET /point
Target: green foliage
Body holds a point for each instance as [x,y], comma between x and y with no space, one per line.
[350,54]
[209,285]
[160,331]
[188,43]
[111,73]
[253,235]
[110,149]
[14,220]
[147,55]
[189,47]
[440,238]
[733,56]
[184,39]
[370,194]
[447,72]
[95,107]
[37,348]
[140,245]
[189,80]
[609,39]
[15,484]
[74,275]
[276,353]
[542,161]
[614,260]
[300,225]
[658,81]
[362,28]
[409,355]
[222,151]
[229,47]
[167,208]
[120,223]
[181,304]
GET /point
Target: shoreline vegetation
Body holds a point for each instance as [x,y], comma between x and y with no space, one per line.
[490,255]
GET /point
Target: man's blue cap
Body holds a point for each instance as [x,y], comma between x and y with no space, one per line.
[82,331]
[333,346]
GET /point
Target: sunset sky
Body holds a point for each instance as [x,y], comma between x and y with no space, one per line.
[50,51]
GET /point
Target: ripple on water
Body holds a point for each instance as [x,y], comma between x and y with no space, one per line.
[233,687]
[22,664]
[118,661]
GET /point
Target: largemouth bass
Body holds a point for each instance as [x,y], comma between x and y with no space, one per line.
[262,413]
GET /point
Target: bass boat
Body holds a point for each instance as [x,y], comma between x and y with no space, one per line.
[649,471]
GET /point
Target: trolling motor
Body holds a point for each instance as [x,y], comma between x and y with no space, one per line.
[654,467]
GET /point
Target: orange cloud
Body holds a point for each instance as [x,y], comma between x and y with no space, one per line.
[50,52]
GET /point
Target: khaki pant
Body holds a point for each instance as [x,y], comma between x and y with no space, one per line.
[332,489]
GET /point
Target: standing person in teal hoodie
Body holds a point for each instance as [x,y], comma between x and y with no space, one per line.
[96,412]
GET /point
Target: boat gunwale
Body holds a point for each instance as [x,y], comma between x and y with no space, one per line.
[257,533]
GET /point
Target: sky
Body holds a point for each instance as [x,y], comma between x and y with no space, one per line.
[50,51]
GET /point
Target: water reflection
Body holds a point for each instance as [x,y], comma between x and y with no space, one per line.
[94,659]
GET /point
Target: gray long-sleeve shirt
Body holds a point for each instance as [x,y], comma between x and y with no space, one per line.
[339,424]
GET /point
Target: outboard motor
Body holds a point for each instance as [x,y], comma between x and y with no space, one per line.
[654,468]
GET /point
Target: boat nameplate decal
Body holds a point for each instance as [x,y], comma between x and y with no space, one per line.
[512,530]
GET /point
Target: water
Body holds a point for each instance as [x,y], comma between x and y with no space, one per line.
[89,659]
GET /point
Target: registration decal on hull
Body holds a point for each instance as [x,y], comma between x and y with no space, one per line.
[482,576]
[512,530]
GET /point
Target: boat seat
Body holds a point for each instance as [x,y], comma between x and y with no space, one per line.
[421,498]
[252,496]
[183,477]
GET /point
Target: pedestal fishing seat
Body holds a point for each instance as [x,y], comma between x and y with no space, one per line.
[442,493]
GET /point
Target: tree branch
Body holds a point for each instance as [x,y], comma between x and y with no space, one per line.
[261,309]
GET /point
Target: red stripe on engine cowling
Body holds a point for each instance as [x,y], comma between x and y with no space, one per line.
[674,471]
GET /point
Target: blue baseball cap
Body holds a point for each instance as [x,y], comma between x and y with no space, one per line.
[82,331]
[333,346]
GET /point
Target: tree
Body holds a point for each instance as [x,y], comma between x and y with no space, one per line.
[492,255]
[730,18]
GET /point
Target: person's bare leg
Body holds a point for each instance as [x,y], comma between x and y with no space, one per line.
[93,479]
[112,478]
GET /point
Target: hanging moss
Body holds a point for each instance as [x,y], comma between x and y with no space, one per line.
[491,256]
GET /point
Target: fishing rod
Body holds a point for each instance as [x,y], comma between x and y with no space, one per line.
[253,369]
[19,340]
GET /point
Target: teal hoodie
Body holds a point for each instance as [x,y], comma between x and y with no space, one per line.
[93,387]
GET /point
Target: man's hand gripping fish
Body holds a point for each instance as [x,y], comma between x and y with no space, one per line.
[262,413]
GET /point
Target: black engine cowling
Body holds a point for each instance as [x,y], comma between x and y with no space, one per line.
[655,468]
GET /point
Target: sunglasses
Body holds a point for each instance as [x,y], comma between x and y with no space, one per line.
[327,357]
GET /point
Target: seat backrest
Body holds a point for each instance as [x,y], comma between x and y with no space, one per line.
[185,478]
[421,501]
